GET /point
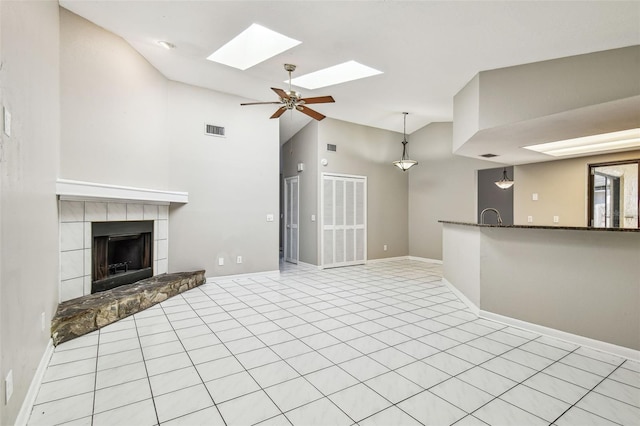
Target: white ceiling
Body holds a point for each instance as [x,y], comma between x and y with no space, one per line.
[428,50]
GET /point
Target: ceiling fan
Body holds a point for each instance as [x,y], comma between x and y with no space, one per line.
[291,100]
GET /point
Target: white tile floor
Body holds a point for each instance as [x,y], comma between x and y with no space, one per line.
[382,344]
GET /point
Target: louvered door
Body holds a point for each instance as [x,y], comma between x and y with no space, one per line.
[344,215]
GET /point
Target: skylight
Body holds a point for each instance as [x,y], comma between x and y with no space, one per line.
[336,74]
[624,139]
[252,46]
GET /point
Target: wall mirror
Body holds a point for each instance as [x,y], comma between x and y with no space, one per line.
[613,194]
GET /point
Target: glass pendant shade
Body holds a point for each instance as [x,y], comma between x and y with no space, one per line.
[505,182]
[404,163]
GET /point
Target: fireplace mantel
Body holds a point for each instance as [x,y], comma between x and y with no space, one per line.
[73,190]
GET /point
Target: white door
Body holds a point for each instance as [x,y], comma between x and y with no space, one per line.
[344,220]
[291,219]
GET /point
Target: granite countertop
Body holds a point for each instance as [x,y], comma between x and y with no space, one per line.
[569,228]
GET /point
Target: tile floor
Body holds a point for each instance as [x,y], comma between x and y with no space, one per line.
[381,344]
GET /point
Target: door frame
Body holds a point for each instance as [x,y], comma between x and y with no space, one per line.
[591,176]
[287,183]
[321,224]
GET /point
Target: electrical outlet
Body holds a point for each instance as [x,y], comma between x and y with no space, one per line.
[556,219]
[530,219]
[384,247]
[239,259]
[269,218]
[42,321]
[221,261]
[8,386]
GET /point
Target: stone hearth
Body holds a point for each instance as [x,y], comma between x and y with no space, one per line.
[85,314]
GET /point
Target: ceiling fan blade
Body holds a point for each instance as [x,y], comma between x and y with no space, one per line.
[280,92]
[318,100]
[279,112]
[260,103]
[311,113]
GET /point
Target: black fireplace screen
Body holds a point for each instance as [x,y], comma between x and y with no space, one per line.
[122,253]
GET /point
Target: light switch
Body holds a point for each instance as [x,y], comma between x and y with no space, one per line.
[313,218]
[221,261]
[534,196]
[7,122]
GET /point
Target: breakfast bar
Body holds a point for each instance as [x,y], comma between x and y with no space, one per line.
[581,281]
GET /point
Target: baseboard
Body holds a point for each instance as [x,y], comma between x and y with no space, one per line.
[34,387]
[425,260]
[464,299]
[309,265]
[387,259]
[268,274]
[563,335]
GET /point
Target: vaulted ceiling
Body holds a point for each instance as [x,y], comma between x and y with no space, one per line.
[428,50]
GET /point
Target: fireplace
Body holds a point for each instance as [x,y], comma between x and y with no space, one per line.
[122,253]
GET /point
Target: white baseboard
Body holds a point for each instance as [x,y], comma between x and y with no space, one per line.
[34,387]
[387,259]
[309,265]
[268,274]
[562,335]
[425,259]
[472,307]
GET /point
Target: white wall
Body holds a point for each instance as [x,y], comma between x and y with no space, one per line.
[118,110]
[441,187]
[30,90]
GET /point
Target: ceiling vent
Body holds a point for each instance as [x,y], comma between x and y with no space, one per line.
[332,147]
[211,130]
[489,155]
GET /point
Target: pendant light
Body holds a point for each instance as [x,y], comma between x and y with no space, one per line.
[404,163]
[505,182]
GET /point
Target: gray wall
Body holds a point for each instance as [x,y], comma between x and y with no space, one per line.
[302,148]
[368,151]
[117,109]
[30,90]
[232,184]
[489,195]
[581,282]
[562,188]
[441,187]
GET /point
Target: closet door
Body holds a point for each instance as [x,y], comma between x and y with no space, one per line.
[344,213]
[291,208]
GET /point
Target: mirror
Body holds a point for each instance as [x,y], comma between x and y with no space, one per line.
[613,194]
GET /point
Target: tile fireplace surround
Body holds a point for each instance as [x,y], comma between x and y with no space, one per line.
[81,203]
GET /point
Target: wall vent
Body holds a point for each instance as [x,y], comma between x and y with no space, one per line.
[211,130]
[489,155]
[331,147]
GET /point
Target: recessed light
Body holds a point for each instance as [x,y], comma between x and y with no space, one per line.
[166,44]
[624,139]
[336,74]
[252,46]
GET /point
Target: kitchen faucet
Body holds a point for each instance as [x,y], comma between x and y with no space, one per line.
[492,209]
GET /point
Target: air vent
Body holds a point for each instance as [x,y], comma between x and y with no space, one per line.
[489,155]
[331,147]
[211,130]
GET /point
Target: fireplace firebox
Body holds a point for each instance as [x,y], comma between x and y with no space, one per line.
[122,253]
